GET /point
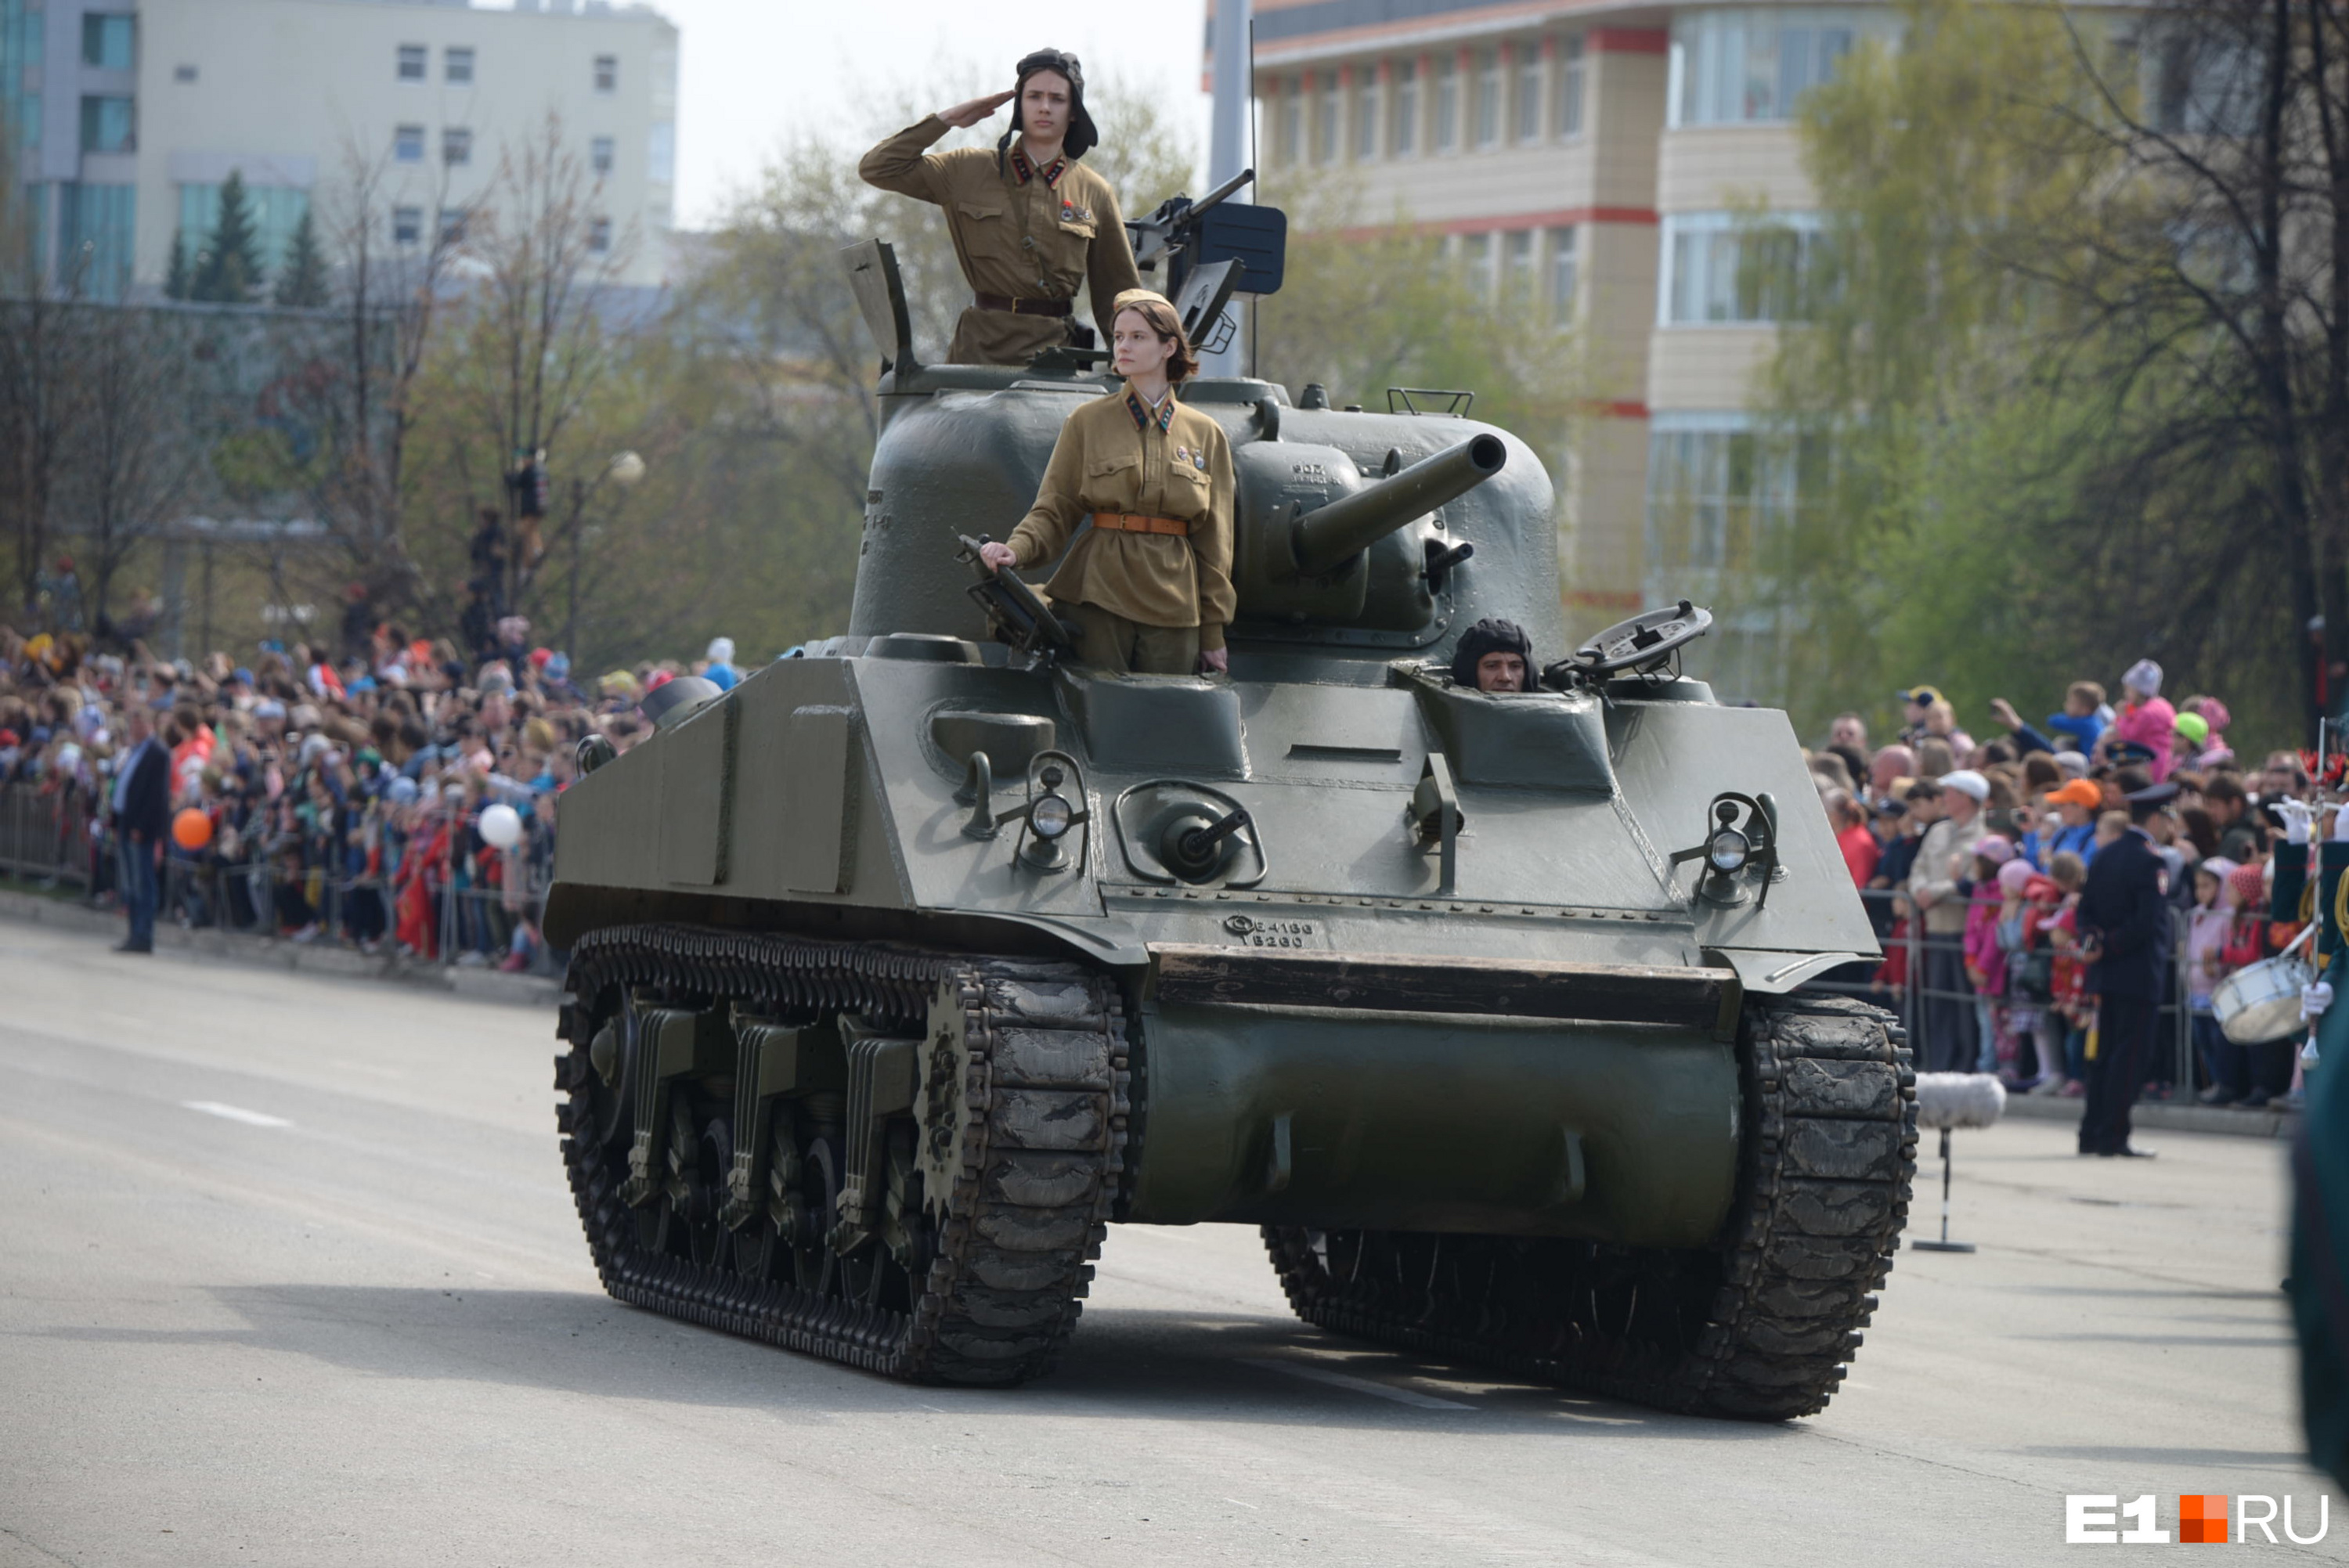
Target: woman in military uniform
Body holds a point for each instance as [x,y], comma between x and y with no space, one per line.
[1030,222]
[1149,588]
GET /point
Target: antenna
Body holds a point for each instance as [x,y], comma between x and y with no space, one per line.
[1254,161]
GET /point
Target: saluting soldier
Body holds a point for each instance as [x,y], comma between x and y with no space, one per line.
[1030,224]
[1149,588]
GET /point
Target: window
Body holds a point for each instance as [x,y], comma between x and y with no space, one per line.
[1718,488]
[599,154]
[1447,105]
[452,225]
[456,145]
[599,235]
[96,225]
[660,153]
[1488,98]
[109,125]
[458,67]
[408,143]
[2199,85]
[1366,120]
[1721,267]
[1292,124]
[107,41]
[411,62]
[407,225]
[1406,108]
[607,73]
[1570,71]
[1740,67]
[1563,274]
[1529,93]
[1518,263]
[1325,123]
[274,212]
[1476,264]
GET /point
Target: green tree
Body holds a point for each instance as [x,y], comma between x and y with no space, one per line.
[176,280]
[2080,355]
[302,280]
[230,271]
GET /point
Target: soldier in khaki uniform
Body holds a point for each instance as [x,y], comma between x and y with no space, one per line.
[1030,222]
[1149,587]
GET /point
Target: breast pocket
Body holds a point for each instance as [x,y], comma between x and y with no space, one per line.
[988,218]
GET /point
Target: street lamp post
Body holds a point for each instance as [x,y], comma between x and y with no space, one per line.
[625,469]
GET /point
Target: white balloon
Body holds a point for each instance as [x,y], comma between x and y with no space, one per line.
[501,826]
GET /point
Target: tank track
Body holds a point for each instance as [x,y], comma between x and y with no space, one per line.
[1043,1091]
[1757,1328]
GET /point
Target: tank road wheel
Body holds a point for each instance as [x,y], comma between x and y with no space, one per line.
[932,1221]
[1758,1327]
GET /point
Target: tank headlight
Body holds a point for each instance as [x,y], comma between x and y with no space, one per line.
[1052,817]
[1726,850]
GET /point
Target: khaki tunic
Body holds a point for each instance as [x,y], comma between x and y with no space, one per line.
[1113,456]
[1037,237]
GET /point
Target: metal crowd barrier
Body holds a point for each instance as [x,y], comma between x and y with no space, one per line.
[2172,1063]
[45,833]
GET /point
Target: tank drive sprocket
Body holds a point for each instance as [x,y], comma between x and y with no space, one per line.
[999,1172]
[1758,1328]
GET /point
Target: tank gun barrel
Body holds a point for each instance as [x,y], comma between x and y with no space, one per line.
[1325,538]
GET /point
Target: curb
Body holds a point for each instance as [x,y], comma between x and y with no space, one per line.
[273,953]
[2166,1117]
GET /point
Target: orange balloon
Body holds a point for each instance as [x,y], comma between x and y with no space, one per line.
[191,830]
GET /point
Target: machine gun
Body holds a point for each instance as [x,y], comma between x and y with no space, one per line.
[1212,249]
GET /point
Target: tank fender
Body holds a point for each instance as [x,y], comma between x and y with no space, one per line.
[1775,973]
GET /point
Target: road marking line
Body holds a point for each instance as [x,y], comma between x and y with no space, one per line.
[1359,1384]
[233,1113]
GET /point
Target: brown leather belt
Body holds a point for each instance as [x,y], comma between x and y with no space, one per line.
[1134,523]
[1022,306]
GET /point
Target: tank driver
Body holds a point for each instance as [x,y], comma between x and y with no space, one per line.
[1493,655]
[1030,221]
[1149,587]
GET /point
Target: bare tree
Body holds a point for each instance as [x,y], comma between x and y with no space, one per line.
[134,451]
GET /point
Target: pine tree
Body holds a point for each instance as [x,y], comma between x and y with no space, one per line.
[175,281]
[302,280]
[232,271]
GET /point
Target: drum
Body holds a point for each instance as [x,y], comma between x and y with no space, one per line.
[2260,1001]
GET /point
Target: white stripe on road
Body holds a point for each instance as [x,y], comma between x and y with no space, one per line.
[1359,1384]
[233,1113]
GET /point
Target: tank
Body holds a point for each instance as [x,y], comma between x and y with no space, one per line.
[902,971]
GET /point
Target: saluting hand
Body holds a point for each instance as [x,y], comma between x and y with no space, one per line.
[963,116]
[995,556]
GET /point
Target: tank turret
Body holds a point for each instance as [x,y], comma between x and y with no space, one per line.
[1324,540]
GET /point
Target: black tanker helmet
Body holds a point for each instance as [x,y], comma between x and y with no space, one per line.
[1490,635]
[1082,138]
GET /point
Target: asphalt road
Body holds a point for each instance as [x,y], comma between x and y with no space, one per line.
[288,1274]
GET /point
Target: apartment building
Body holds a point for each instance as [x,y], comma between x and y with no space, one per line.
[126,116]
[1588,162]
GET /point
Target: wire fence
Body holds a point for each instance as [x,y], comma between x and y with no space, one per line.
[451,908]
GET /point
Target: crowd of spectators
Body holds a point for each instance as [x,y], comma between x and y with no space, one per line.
[1973,854]
[323,798]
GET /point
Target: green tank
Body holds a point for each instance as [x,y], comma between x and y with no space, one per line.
[900,971]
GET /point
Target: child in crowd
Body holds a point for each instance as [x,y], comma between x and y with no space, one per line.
[1985,962]
[2085,715]
[2068,975]
[2025,996]
[2209,925]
